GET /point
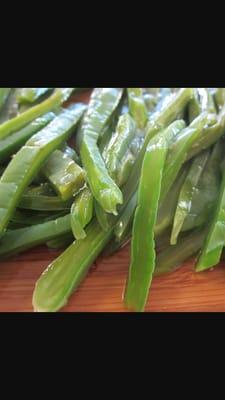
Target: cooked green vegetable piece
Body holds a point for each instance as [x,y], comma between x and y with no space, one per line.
[215,240]
[178,152]
[44,189]
[113,246]
[66,177]
[206,101]
[151,98]
[202,101]
[64,275]
[107,132]
[102,104]
[52,291]
[168,207]
[28,218]
[104,219]
[152,129]
[10,107]
[18,240]
[2,169]
[104,140]
[61,242]
[43,198]
[126,218]
[143,244]
[126,166]
[30,95]
[29,160]
[209,135]
[194,107]
[207,191]
[18,122]
[119,143]
[24,106]
[81,213]
[153,91]
[164,97]
[137,107]
[12,143]
[172,257]
[4,92]
[71,153]
[165,213]
[168,113]
[128,160]
[220,98]
[162,118]
[40,202]
[119,159]
[101,214]
[187,192]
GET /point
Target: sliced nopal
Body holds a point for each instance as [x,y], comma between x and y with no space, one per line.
[29,160]
[57,98]
[102,104]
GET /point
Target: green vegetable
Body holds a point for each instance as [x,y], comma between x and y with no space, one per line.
[162,118]
[119,143]
[104,219]
[18,240]
[43,203]
[220,98]
[167,114]
[30,95]
[66,177]
[18,122]
[178,153]
[102,104]
[150,100]
[42,198]
[194,107]
[71,153]
[209,135]
[12,143]
[4,92]
[137,107]
[215,240]
[61,242]
[64,275]
[126,166]
[113,246]
[28,218]
[206,101]
[207,190]
[10,108]
[140,175]
[165,213]
[28,161]
[168,207]
[187,192]
[108,130]
[172,257]
[143,244]
[126,219]
[81,213]
[114,154]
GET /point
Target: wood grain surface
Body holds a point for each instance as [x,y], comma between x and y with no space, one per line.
[102,289]
[183,290]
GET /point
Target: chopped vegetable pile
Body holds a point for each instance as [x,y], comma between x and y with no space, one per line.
[144,165]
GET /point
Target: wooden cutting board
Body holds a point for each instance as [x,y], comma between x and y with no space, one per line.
[102,289]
